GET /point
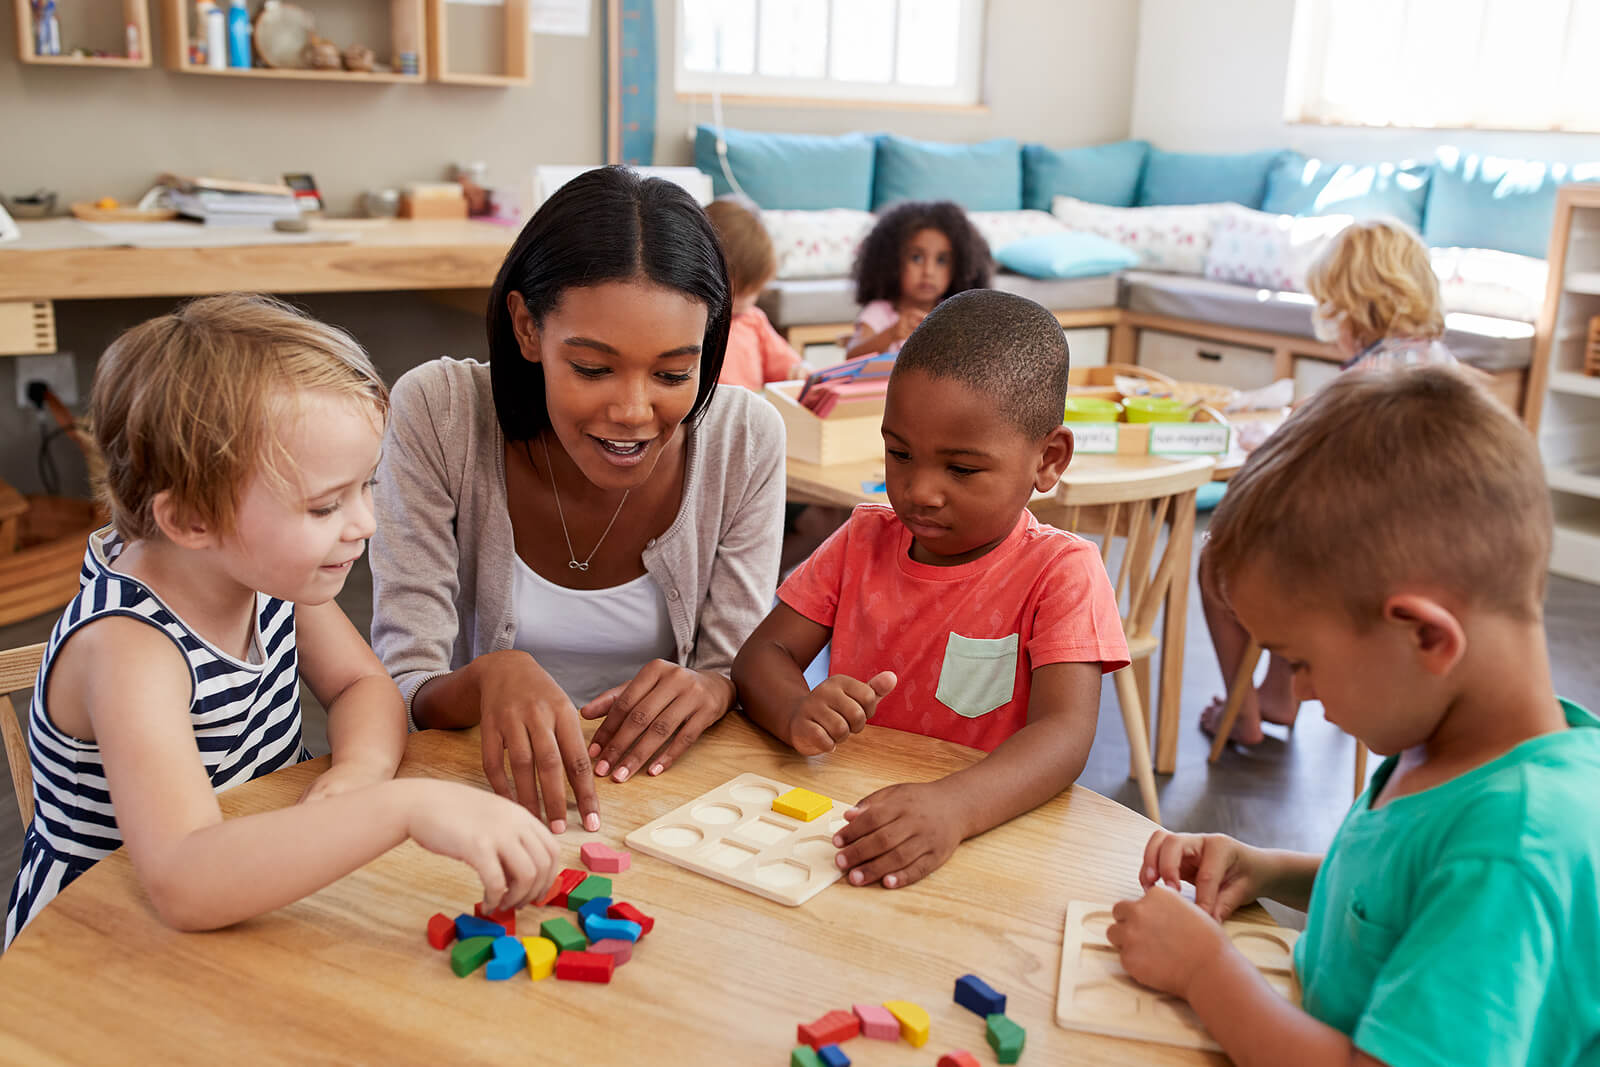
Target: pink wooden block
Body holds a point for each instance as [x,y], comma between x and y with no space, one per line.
[604,859]
[621,951]
[877,1022]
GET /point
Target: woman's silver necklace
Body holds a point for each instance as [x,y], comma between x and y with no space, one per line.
[572,562]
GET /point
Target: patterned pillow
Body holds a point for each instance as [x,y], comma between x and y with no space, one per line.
[1486,281]
[816,244]
[1265,250]
[1166,238]
[1001,228]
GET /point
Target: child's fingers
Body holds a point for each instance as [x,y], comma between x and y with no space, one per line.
[880,842]
[521,873]
[899,858]
[919,869]
[485,860]
[810,739]
[1169,862]
[860,821]
[1148,872]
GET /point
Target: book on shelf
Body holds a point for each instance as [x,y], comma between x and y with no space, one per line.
[186,184]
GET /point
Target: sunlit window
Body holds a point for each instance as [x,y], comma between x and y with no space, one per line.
[881,50]
[1453,64]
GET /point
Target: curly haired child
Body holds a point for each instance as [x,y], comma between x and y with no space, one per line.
[918,254]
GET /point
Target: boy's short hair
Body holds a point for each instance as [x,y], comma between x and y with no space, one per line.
[746,244]
[184,403]
[1381,480]
[1001,345]
[1377,274]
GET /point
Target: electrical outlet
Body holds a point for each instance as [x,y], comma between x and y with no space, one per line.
[58,371]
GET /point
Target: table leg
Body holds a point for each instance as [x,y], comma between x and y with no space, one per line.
[1173,628]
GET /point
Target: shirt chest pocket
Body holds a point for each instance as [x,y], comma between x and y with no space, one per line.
[978,674]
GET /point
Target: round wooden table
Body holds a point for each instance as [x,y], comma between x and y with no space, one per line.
[347,976]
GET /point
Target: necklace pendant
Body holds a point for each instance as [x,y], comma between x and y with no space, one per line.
[573,564]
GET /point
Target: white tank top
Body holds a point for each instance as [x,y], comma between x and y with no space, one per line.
[589,640]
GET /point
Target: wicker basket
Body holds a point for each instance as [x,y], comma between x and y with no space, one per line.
[41,553]
[1591,352]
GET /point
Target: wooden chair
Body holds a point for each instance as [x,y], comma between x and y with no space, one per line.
[19,667]
[1133,505]
[1245,677]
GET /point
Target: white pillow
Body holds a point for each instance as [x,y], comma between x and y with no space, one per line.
[1486,281]
[1172,238]
[1267,251]
[817,244]
[1001,228]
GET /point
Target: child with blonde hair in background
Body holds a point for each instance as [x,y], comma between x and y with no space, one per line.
[757,353]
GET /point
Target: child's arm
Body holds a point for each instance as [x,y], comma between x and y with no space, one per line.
[1228,873]
[202,871]
[366,717]
[770,675]
[905,832]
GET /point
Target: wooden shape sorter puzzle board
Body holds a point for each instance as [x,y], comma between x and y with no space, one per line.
[1097,996]
[733,835]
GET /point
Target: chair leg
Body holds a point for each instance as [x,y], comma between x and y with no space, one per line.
[1133,718]
[1242,679]
[1361,766]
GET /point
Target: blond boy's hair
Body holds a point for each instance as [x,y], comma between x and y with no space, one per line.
[186,404]
[1377,274]
[1411,478]
[745,244]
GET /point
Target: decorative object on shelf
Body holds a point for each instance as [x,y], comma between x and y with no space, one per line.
[282,33]
[380,203]
[322,54]
[102,211]
[359,58]
[46,29]
[1591,352]
[239,34]
[35,205]
[305,191]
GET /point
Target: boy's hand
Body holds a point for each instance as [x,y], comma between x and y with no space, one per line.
[899,834]
[835,709]
[1226,873]
[1165,941]
[506,844]
[345,778]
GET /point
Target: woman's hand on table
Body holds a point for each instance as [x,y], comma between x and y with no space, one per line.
[654,718]
[528,720]
[838,707]
[900,834]
[1165,940]
[513,854]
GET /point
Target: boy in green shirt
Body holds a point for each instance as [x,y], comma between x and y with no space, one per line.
[1391,543]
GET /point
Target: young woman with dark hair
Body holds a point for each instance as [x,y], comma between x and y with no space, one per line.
[585,526]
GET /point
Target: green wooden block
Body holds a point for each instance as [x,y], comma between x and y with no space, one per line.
[566,936]
[804,1056]
[590,888]
[1006,1038]
[468,955]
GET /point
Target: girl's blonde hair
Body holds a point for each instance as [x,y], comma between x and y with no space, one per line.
[752,261]
[185,404]
[1376,273]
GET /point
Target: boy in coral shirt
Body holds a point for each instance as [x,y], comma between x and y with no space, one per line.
[953,613]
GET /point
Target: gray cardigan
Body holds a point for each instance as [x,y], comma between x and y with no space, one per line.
[442,553]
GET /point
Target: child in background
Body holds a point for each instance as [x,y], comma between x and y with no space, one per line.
[953,613]
[1378,303]
[757,353]
[917,254]
[1391,543]
[239,440]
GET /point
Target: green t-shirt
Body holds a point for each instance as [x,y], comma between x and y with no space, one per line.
[1461,925]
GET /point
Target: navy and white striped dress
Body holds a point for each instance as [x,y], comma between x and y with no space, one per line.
[246,718]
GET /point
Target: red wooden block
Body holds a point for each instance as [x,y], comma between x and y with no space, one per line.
[615,947]
[585,966]
[958,1058]
[832,1029]
[441,930]
[506,917]
[565,882]
[627,911]
[603,859]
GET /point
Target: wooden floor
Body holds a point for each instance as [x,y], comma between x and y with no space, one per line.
[1288,792]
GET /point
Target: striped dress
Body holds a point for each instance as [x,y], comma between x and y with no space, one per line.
[246,718]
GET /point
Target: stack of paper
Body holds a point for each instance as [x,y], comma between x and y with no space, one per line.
[219,202]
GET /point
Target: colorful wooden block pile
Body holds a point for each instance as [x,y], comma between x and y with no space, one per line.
[893,1020]
[590,951]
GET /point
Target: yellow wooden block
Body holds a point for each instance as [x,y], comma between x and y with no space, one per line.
[913,1021]
[541,956]
[801,804]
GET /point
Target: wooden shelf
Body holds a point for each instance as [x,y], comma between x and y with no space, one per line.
[1585,282]
[304,75]
[1578,480]
[1575,384]
[135,13]
[513,33]
[113,62]
[406,35]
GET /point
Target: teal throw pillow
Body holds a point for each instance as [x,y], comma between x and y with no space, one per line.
[1072,254]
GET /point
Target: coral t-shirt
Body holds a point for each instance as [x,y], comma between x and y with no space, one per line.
[963,641]
[757,353]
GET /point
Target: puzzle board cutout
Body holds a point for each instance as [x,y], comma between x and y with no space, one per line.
[1097,996]
[732,834]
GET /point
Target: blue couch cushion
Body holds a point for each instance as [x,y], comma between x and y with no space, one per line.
[1195,178]
[1300,186]
[980,177]
[1066,255]
[791,171]
[1483,202]
[1101,174]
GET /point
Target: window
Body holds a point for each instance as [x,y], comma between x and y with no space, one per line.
[924,51]
[1454,64]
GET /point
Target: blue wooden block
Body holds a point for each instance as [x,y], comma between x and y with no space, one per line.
[472,926]
[600,928]
[833,1056]
[974,994]
[597,906]
[509,956]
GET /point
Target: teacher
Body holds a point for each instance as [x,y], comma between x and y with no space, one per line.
[585,525]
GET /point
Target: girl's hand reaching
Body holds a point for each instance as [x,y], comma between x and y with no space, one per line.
[513,854]
[1226,873]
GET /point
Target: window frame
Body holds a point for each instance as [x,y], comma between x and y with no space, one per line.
[966,92]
